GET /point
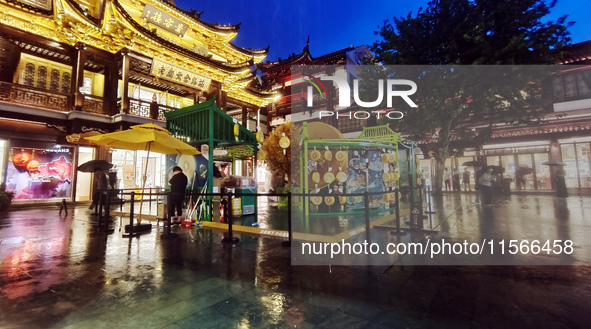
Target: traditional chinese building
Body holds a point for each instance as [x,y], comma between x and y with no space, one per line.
[72,68]
[563,133]
[277,76]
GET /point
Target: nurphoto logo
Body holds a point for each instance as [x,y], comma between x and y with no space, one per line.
[344,92]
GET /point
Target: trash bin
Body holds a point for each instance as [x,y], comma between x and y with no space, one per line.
[247,202]
[245,185]
[162,209]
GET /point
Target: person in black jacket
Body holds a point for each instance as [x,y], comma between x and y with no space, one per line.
[102,185]
[178,184]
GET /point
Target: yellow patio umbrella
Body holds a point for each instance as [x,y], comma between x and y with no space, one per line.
[149,137]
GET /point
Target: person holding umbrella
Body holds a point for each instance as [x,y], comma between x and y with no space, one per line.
[102,184]
[178,185]
[560,183]
[485,181]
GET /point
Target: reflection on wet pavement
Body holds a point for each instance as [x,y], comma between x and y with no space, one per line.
[59,272]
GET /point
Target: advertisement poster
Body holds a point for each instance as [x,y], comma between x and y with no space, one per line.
[357,178]
[194,166]
[39,174]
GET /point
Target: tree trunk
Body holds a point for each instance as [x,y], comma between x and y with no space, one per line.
[440,158]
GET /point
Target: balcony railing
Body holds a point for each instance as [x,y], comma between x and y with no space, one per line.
[44,99]
[31,96]
[93,104]
[141,108]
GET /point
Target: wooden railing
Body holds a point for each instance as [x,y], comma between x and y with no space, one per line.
[31,96]
[94,104]
[141,108]
[44,99]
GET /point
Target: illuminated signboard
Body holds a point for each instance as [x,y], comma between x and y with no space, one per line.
[164,20]
[171,72]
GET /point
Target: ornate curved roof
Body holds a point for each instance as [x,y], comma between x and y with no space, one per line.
[229,67]
[305,58]
[254,52]
[579,53]
[197,19]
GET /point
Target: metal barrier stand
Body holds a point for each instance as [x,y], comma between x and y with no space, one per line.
[228,213]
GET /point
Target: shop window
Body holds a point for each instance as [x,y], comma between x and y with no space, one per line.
[87,86]
[572,86]
[583,164]
[36,174]
[524,179]
[43,74]
[568,157]
[492,160]
[543,179]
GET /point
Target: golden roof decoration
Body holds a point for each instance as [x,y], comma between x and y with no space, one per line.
[204,48]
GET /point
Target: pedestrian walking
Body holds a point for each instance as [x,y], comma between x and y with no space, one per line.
[456,180]
[178,185]
[485,182]
[102,184]
[447,179]
[560,183]
[466,179]
[477,186]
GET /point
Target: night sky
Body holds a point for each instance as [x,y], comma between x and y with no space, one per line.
[332,25]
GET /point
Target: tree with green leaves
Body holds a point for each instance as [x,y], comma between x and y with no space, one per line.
[470,32]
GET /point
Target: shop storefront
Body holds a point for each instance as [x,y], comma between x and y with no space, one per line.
[39,171]
[521,162]
[84,180]
[130,167]
[577,157]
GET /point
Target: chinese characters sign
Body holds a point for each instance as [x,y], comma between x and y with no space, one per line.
[41,4]
[164,20]
[174,73]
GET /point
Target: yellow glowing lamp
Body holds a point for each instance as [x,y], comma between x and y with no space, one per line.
[315,155]
[284,142]
[316,200]
[316,177]
[329,200]
[236,130]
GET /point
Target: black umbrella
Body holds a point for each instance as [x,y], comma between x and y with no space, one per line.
[91,165]
[553,163]
[474,164]
[524,170]
[496,169]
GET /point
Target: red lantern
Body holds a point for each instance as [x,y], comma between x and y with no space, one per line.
[21,159]
[33,165]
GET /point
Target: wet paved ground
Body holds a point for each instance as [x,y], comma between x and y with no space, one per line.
[58,272]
